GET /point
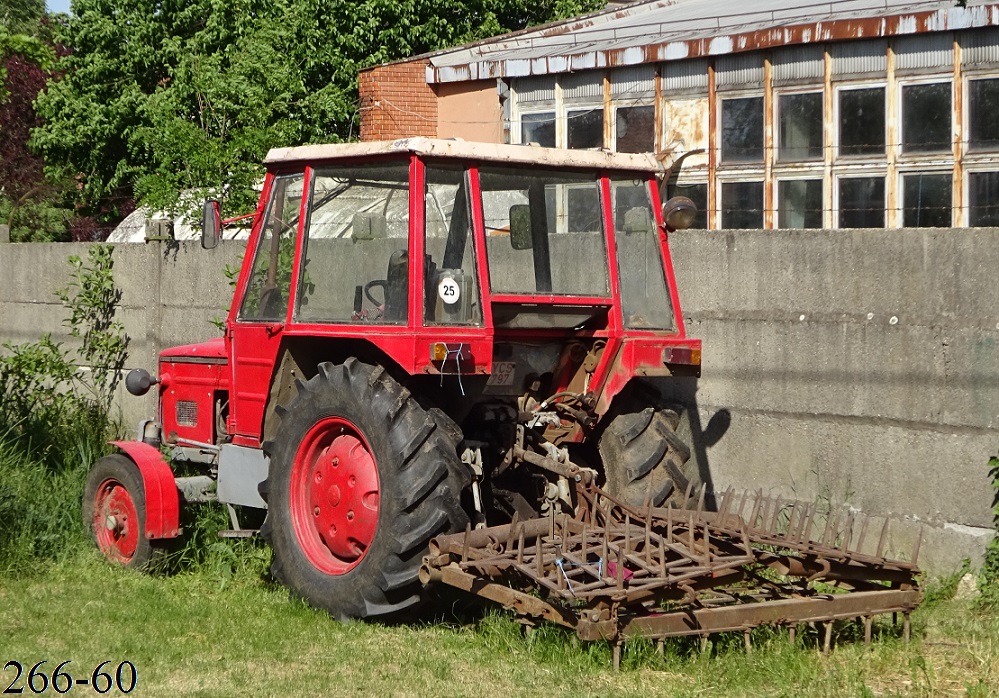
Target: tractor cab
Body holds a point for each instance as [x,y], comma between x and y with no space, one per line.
[449,258]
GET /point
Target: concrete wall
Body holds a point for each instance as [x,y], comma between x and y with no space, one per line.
[170,294]
[857,366]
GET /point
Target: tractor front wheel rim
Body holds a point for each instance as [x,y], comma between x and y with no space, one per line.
[116,521]
[334,496]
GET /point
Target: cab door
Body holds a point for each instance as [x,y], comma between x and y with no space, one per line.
[260,308]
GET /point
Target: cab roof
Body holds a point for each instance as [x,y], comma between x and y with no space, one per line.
[466,150]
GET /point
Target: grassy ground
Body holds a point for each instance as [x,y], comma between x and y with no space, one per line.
[211,633]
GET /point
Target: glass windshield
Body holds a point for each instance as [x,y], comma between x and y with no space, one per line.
[267,291]
[355,264]
[544,232]
[645,300]
[451,295]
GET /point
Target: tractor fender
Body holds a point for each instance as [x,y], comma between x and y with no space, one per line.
[162,499]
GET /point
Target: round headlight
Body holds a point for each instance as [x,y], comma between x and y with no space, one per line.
[679,213]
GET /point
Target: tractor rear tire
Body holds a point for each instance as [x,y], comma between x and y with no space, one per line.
[114,513]
[644,459]
[361,478]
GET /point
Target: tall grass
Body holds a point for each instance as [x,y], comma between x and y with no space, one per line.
[41,489]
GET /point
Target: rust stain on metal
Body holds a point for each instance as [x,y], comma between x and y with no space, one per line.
[675,47]
[957,195]
[686,127]
[894,135]
[769,144]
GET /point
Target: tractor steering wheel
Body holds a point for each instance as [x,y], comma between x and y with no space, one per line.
[373,284]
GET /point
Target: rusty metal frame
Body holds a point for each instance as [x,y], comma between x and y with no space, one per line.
[614,571]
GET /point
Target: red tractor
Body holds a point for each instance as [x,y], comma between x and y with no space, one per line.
[426,336]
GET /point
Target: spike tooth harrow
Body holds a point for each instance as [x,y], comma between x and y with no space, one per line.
[614,571]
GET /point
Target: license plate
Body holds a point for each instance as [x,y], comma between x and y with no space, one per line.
[503,373]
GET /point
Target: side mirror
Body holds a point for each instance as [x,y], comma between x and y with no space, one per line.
[521,236]
[211,225]
[679,213]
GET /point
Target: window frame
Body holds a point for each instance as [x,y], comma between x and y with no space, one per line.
[904,155]
[778,111]
[838,177]
[838,90]
[723,163]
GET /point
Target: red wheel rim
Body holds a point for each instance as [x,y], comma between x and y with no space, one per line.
[334,496]
[116,521]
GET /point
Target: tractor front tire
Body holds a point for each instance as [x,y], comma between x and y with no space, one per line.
[644,459]
[361,478]
[114,513]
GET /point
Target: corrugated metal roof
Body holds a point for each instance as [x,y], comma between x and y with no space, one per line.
[664,30]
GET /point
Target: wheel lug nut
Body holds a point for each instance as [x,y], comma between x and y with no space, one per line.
[316,511]
[350,515]
[336,461]
[352,481]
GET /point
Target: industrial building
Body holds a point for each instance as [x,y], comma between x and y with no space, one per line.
[836,114]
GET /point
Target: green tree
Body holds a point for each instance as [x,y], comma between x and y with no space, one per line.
[21,16]
[164,96]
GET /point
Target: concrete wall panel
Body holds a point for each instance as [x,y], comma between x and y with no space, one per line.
[859,367]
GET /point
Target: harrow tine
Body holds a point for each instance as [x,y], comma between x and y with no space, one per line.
[520,547]
[742,502]
[700,499]
[809,520]
[791,521]
[863,533]
[829,537]
[778,504]
[848,536]
[723,505]
[690,489]
[756,508]
[513,527]
[464,543]
[881,541]
[825,531]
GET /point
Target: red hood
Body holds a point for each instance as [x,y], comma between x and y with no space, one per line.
[212,349]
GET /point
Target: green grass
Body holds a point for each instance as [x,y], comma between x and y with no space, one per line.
[222,631]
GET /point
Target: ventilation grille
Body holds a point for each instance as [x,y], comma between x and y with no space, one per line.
[187,413]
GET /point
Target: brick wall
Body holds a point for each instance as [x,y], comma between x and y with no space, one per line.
[396,102]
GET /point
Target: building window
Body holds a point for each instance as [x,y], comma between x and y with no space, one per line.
[862,202]
[799,203]
[742,129]
[635,129]
[539,128]
[862,121]
[983,199]
[926,200]
[585,128]
[742,205]
[800,127]
[926,118]
[983,114]
[698,193]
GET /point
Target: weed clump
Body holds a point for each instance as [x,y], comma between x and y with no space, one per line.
[55,419]
[989,577]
